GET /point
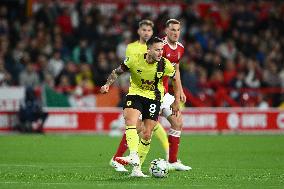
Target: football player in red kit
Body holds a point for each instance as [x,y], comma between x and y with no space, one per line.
[173,51]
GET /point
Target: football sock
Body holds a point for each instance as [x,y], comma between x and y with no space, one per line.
[122,147]
[174,138]
[161,134]
[132,138]
[143,149]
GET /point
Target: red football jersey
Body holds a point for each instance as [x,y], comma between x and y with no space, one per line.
[173,54]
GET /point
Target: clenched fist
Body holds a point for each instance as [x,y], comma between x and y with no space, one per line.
[104,89]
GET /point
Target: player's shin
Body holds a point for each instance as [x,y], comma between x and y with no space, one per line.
[174,139]
[121,148]
[143,149]
[161,134]
[132,139]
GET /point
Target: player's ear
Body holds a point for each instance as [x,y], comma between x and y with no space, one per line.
[148,49]
[138,31]
[166,31]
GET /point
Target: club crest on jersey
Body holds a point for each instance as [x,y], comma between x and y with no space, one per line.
[126,59]
[159,74]
[128,103]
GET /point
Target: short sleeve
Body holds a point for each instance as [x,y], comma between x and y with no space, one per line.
[128,51]
[128,63]
[169,69]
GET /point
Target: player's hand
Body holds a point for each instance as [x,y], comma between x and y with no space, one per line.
[104,89]
[182,96]
[175,108]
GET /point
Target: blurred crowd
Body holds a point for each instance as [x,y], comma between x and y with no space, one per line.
[233,49]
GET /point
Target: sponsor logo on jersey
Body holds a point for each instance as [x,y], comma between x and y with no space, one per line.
[159,74]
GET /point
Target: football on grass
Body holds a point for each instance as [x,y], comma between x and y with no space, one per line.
[159,168]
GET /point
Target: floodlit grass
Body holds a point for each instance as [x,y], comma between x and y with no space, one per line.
[81,161]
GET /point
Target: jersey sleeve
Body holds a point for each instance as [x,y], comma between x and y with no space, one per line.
[169,69]
[128,51]
[127,63]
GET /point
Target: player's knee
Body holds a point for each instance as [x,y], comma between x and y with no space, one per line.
[130,121]
[146,135]
[177,124]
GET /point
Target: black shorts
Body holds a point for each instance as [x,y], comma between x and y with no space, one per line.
[149,108]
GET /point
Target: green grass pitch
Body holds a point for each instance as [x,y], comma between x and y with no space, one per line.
[81,161]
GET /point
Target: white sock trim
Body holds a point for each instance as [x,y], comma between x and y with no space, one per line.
[174,133]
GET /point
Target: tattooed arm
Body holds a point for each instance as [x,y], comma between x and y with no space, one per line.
[111,78]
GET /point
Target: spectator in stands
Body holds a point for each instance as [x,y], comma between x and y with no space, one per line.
[10,65]
[101,69]
[48,80]
[64,85]
[121,48]
[19,51]
[253,74]
[281,76]
[83,53]
[230,72]
[271,76]
[227,49]
[5,77]
[55,64]
[45,15]
[262,102]
[43,39]
[29,77]
[247,33]
[84,78]
[4,26]
[42,67]
[33,50]
[69,70]
[237,83]
[190,78]
[61,48]
[64,21]
[87,29]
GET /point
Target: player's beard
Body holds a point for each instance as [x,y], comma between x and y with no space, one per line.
[173,39]
[153,58]
[157,59]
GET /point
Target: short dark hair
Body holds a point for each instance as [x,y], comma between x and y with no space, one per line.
[146,22]
[153,40]
[172,21]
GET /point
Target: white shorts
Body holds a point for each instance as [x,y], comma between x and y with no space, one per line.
[165,109]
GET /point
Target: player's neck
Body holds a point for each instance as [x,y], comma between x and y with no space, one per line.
[142,41]
[173,44]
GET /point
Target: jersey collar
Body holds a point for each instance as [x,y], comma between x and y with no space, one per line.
[172,47]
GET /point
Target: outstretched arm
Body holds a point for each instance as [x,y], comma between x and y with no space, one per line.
[111,79]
